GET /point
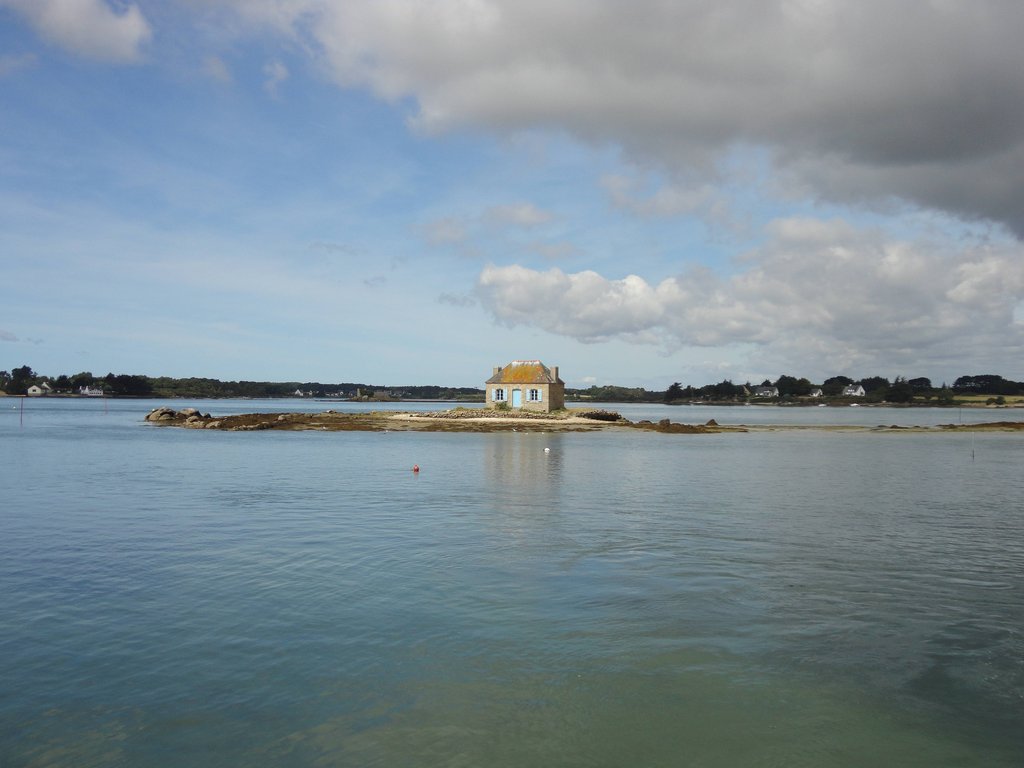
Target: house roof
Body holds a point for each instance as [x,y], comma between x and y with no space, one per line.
[524,372]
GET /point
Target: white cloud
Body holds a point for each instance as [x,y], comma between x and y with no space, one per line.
[667,200]
[583,305]
[819,296]
[525,215]
[89,28]
[276,73]
[461,231]
[856,102]
[215,68]
[7,335]
[446,231]
[678,198]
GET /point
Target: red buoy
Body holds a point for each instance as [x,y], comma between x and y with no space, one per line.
[415,467]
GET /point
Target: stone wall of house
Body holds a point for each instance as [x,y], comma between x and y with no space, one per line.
[552,396]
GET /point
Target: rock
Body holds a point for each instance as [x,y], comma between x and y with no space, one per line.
[189,412]
[214,425]
[600,415]
[665,423]
[711,423]
[163,413]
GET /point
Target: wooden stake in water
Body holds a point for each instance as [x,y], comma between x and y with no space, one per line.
[21,418]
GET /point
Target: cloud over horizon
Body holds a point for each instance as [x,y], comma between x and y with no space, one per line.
[818,296]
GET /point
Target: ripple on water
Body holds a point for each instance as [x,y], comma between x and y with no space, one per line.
[759,599]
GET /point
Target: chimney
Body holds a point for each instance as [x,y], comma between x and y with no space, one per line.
[554,373]
[496,369]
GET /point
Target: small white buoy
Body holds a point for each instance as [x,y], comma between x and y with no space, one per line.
[547,450]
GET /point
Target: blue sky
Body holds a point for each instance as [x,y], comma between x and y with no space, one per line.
[401,192]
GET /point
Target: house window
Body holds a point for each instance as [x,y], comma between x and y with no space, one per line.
[499,395]
[534,396]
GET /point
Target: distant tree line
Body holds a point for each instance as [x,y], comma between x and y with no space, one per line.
[612,394]
[987,385]
[876,388]
[18,380]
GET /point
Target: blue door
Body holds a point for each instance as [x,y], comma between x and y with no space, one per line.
[517,398]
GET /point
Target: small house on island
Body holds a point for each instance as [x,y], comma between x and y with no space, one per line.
[526,384]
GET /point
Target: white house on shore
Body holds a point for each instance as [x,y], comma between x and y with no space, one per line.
[853,390]
[526,384]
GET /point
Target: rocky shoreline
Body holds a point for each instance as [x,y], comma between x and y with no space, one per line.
[487,420]
[453,420]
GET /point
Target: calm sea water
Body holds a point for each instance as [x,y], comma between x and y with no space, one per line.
[173,597]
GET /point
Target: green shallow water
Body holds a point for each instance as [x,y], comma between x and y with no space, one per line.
[778,599]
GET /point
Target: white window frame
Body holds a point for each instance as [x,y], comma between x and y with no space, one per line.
[535,396]
[499,395]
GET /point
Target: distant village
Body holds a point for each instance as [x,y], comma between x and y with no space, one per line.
[991,389]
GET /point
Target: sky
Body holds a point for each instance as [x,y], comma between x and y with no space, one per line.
[399,192]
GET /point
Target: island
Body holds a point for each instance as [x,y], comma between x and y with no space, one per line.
[462,419]
[459,419]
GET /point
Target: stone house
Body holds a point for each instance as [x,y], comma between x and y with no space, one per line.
[526,384]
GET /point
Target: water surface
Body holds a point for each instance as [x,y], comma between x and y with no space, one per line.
[177,597]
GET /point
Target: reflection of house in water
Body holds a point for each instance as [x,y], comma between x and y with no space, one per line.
[520,474]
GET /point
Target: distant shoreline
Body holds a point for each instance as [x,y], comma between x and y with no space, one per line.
[575,404]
